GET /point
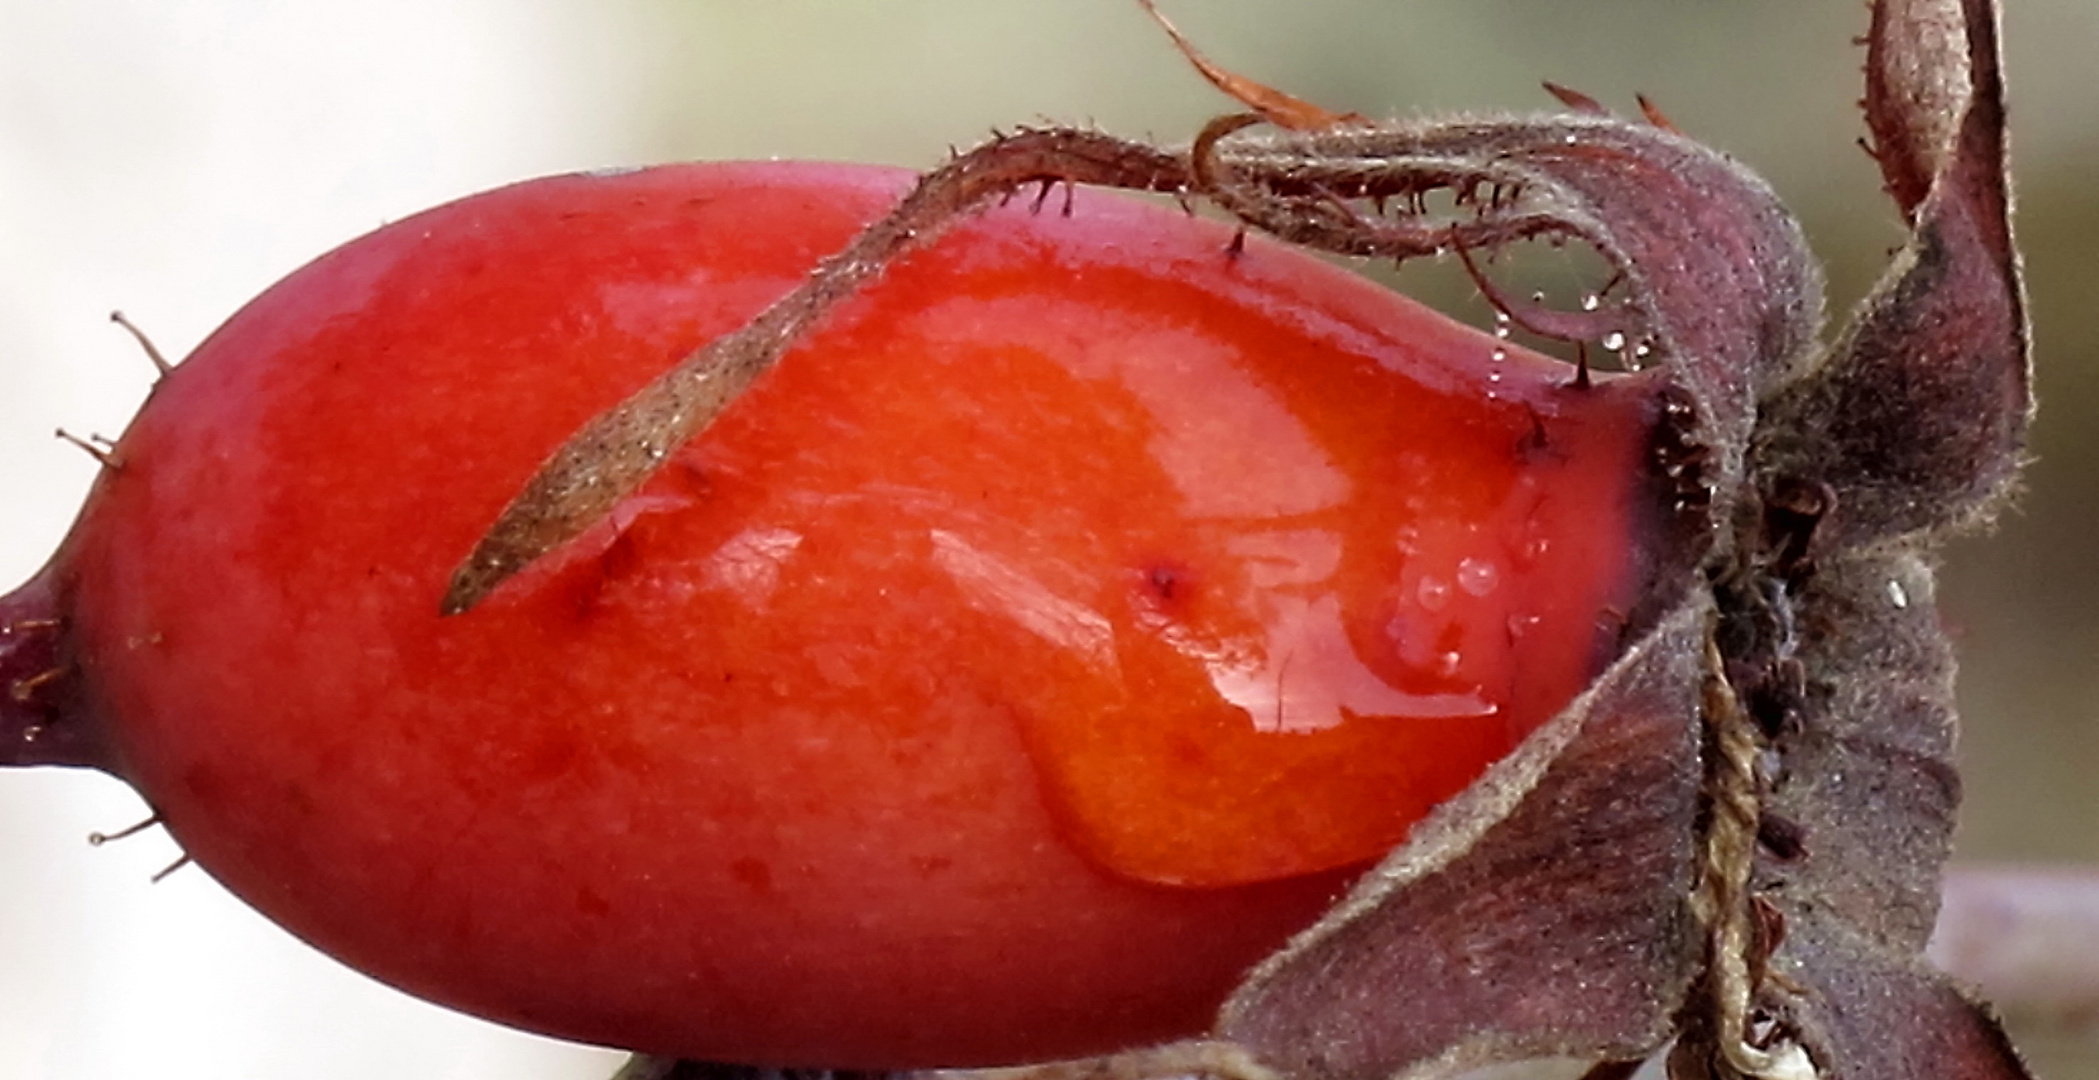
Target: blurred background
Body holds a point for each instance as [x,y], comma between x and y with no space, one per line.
[172,160]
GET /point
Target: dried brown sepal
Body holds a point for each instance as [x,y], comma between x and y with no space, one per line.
[1872,1015]
[1273,105]
[1543,913]
[1915,100]
[1918,418]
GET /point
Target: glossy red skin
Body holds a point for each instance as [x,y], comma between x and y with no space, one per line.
[887,727]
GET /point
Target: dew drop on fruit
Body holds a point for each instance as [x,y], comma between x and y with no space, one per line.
[1432,593]
[1478,577]
[1614,341]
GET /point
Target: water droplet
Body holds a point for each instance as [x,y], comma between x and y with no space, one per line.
[1520,625]
[1432,593]
[1408,540]
[1614,341]
[1498,355]
[1447,663]
[1572,139]
[1897,594]
[1478,576]
[1642,350]
[1494,376]
[1591,301]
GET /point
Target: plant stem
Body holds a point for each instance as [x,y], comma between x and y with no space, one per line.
[2027,937]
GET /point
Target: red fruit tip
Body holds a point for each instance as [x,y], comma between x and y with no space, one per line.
[39,721]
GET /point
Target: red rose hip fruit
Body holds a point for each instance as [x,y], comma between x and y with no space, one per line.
[1056,630]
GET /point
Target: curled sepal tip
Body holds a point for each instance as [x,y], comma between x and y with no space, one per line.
[1917,420]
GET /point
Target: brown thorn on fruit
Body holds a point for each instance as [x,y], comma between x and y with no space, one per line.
[97,447]
[1274,106]
[178,864]
[39,724]
[1873,152]
[1654,115]
[160,363]
[1237,246]
[23,690]
[613,454]
[97,839]
[1581,365]
[1576,100]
